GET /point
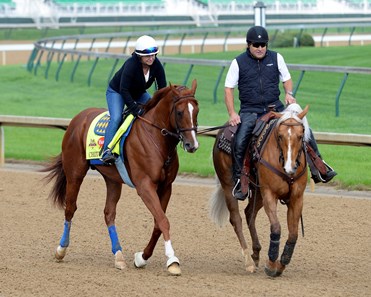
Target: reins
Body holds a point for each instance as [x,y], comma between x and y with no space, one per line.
[203,131]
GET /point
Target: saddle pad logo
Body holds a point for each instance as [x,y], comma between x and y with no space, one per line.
[102,124]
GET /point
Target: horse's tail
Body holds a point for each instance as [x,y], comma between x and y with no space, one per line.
[218,210]
[58,192]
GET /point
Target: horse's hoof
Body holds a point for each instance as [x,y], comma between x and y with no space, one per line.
[269,272]
[270,269]
[280,269]
[139,262]
[60,253]
[174,269]
[249,263]
[119,260]
[173,266]
[251,268]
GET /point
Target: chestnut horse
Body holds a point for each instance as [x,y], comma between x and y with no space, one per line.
[152,164]
[281,175]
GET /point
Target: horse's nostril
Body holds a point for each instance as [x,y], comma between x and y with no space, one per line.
[190,148]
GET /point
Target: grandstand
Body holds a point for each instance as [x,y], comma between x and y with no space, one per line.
[57,13]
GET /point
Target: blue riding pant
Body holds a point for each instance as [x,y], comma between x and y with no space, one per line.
[116,105]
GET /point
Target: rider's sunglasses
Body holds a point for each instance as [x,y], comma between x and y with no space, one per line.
[148,51]
[259,44]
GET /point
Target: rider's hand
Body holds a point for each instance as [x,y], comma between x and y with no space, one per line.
[135,110]
[234,119]
[289,98]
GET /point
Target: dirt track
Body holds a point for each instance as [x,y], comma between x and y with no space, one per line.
[333,259]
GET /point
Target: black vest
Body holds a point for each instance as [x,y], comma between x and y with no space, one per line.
[258,82]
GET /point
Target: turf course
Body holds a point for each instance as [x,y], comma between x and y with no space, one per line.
[23,93]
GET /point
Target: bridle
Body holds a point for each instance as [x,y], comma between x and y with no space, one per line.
[165,132]
[288,178]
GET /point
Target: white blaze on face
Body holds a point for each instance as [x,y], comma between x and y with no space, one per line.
[190,109]
[288,164]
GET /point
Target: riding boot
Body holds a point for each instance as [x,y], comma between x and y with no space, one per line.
[108,157]
[240,144]
[320,170]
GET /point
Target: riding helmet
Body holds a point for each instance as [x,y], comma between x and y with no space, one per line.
[146,46]
[257,34]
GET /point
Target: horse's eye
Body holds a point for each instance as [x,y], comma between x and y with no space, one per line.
[179,113]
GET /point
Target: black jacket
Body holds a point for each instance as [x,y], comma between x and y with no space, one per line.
[258,82]
[130,83]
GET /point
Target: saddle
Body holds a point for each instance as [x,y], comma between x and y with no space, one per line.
[226,138]
[260,133]
[263,128]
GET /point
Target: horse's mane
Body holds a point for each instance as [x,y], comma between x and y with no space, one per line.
[292,111]
[156,98]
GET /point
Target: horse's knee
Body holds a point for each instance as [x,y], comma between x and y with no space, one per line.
[109,216]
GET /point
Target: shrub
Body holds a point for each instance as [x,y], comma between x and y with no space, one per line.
[286,39]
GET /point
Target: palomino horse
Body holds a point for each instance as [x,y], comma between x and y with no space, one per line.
[151,160]
[281,175]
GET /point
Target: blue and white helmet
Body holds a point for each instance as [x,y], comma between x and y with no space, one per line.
[146,46]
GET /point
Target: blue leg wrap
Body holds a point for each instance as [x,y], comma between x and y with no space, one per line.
[274,246]
[114,239]
[65,240]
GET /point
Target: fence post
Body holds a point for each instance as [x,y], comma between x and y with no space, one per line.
[339,93]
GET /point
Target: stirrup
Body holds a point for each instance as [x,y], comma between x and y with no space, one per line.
[330,174]
[237,193]
[108,157]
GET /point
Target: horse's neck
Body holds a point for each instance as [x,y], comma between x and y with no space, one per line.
[160,114]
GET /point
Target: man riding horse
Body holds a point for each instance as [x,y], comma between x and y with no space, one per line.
[257,73]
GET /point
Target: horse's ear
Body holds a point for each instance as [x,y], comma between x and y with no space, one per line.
[304,112]
[173,89]
[194,86]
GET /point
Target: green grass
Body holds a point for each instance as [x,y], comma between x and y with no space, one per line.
[26,94]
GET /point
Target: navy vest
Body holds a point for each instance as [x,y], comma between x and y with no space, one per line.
[258,82]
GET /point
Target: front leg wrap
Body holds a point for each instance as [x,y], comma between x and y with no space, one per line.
[114,239]
[65,240]
[169,252]
[287,252]
[274,247]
